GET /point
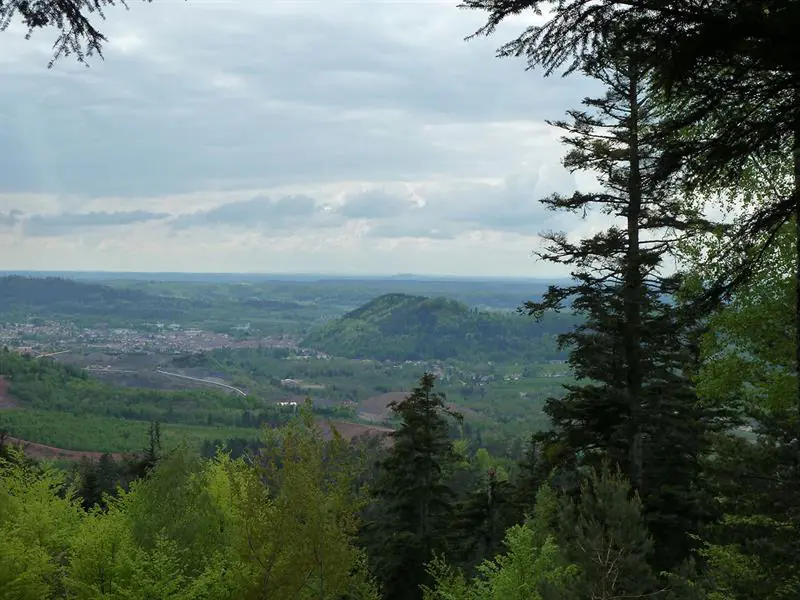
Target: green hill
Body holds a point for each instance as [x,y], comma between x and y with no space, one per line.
[53,297]
[403,327]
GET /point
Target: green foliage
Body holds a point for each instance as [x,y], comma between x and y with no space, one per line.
[414,501]
[532,566]
[402,327]
[755,547]
[36,523]
[44,384]
[482,518]
[107,434]
[603,532]
[192,529]
[634,404]
[749,350]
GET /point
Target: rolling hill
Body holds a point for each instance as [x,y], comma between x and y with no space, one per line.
[53,297]
[23,297]
[402,327]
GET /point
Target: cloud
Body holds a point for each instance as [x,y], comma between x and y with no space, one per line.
[298,211]
[68,223]
[274,97]
[374,204]
[446,211]
[238,135]
[10,218]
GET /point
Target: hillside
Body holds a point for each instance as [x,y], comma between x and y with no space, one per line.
[52,297]
[404,327]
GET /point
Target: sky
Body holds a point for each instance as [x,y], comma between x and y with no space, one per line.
[302,136]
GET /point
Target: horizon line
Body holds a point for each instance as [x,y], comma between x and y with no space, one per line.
[274,274]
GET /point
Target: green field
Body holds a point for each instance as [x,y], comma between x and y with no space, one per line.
[91,433]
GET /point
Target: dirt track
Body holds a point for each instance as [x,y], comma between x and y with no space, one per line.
[42,452]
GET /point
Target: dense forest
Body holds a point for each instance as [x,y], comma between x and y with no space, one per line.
[644,486]
[405,327]
[22,297]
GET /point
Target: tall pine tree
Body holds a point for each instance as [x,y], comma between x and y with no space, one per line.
[635,405]
[415,502]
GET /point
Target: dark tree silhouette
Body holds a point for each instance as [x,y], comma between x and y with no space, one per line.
[75,19]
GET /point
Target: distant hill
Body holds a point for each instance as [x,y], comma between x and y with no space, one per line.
[406,327]
[22,297]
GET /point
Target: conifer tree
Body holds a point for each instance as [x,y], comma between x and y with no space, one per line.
[635,405]
[78,34]
[481,520]
[604,534]
[730,77]
[533,472]
[415,502]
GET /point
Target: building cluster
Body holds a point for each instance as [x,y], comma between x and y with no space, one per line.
[50,336]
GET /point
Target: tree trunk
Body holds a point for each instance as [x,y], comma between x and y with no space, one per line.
[796,194]
[633,284]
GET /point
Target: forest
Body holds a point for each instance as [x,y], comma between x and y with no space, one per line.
[643,486]
[403,327]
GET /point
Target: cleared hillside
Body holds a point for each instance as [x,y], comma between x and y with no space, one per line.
[404,327]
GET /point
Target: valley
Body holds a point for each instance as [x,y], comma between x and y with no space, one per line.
[74,386]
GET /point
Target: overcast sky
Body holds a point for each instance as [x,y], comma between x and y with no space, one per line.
[335,136]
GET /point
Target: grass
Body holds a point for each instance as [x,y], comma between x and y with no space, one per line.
[91,433]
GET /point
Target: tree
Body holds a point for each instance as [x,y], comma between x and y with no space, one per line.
[481,520]
[532,566]
[294,516]
[78,35]
[604,534]
[636,405]
[36,525]
[415,501]
[534,471]
[748,359]
[730,76]
[594,546]
[754,549]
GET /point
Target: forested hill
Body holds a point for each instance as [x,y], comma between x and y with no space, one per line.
[57,297]
[405,327]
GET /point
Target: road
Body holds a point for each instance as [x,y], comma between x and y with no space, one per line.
[53,353]
[208,381]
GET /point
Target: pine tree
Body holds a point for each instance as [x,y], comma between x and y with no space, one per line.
[534,471]
[729,75]
[481,520]
[604,534]
[415,502]
[754,550]
[635,405]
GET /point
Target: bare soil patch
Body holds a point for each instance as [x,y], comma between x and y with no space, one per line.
[377,408]
[379,405]
[43,452]
[350,431]
[6,400]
